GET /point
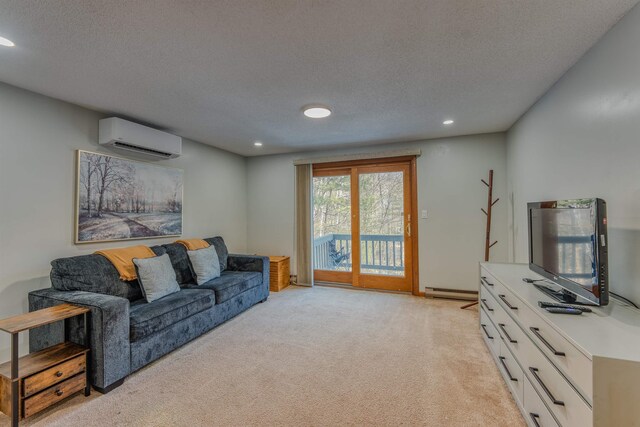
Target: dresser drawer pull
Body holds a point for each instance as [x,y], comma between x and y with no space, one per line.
[484,328]
[59,374]
[484,303]
[484,280]
[506,334]
[59,392]
[534,372]
[536,332]
[512,307]
[504,365]
[534,418]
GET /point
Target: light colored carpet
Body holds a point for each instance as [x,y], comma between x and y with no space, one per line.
[315,357]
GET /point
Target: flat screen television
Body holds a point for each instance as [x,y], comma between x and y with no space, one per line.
[568,246]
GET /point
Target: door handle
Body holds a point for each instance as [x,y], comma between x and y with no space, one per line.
[408,228]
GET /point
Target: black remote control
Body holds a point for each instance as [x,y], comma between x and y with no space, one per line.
[545,304]
[563,310]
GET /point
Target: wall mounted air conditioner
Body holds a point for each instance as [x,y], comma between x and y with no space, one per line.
[126,135]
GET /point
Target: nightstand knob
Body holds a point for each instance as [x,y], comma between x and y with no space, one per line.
[59,392]
[58,374]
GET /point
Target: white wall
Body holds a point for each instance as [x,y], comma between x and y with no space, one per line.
[582,139]
[38,139]
[451,240]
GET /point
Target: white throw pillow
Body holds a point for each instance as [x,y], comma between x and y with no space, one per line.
[205,264]
[156,276]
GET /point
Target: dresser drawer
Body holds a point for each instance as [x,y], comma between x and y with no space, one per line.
[501,294]
[511,372]
[536,413]
[563,400]
[512,335]
[489,333]
[53,375]
[488,302]
[508,301]
[48,397]
[564,355]
[487,279]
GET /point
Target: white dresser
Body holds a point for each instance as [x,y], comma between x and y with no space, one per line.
[563,370]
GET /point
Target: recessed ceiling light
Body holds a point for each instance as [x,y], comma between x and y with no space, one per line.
[316,111]
[258,144]
[448,122]
[6,42]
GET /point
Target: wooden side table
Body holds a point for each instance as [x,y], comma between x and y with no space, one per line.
[279,274]
[36,381]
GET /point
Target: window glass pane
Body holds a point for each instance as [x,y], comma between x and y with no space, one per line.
[382,223]
[332,223]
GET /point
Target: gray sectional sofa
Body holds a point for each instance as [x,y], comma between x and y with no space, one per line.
[127,333]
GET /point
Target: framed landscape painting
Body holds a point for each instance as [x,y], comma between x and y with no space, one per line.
[122,199]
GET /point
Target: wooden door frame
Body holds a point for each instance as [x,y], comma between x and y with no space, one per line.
[339,168]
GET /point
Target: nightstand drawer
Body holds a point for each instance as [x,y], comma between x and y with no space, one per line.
[48,397]
[53,375]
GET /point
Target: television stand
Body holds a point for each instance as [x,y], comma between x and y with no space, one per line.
[560,295]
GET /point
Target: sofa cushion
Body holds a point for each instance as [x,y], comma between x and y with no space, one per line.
[221,250]
[231,283]
[94,273]
[180,261]
[147,318]
[156,277]
[205,265]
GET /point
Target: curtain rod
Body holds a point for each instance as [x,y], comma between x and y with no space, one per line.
[360,156]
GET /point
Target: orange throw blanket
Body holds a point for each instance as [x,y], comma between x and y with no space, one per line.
[122,259]
[193,244]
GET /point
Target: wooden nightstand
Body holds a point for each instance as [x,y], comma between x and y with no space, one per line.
[36,381]
[278,273]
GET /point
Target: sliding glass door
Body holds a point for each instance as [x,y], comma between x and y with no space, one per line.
[369,205]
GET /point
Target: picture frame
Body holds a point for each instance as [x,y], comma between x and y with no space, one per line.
[119,199]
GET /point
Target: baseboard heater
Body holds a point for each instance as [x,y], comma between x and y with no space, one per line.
[458,294]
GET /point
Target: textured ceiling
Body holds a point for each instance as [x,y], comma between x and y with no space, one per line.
[227,73]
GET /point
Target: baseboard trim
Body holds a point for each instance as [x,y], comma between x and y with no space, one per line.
[326,284]
[456,294]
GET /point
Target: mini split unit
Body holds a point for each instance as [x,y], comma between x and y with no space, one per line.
[126,135]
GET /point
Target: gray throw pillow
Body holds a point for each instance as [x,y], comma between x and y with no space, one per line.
[156,276]
[205,264]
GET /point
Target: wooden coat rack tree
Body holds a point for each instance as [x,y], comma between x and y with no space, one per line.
[487,241]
